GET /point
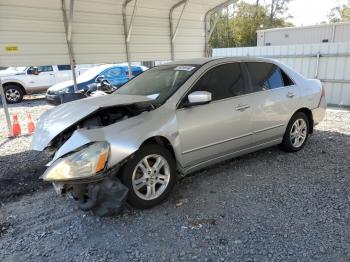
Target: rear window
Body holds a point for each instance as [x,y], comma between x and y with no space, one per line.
[267,76]
[63,67]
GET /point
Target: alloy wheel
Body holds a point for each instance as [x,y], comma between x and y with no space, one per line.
[151,177]
[298,133]
[12,95]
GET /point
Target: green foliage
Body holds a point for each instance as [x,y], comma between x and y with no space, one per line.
[240,29]
[340,13]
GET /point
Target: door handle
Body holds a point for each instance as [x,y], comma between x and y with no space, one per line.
[242,107]
[290,94]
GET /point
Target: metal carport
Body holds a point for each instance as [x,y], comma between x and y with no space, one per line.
[39,32]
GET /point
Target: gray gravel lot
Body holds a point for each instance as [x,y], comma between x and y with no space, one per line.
[265,206]
[19,166]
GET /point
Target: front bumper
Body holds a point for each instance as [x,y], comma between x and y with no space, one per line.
[103,198]
[53,99]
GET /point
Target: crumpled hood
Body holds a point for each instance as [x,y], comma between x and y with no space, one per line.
[58,119]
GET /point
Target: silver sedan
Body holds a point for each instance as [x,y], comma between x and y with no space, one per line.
[175,118]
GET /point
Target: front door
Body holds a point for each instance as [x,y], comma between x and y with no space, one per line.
[220,127]
[44,80]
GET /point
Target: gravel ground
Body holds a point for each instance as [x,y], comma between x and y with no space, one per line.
[19,166]
[265,206]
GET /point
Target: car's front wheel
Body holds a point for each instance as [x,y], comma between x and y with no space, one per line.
[149,175]
[13,94]
[297,133]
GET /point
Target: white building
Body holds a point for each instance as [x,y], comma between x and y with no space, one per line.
[324,33]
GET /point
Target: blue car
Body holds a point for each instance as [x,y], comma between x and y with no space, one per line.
[117,75]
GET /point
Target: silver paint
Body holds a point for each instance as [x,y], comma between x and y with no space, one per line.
[200,135]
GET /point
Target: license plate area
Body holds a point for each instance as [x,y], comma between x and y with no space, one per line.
[58,188]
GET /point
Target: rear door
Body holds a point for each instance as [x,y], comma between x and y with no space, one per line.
[63,73]
[220,127]
[275,99]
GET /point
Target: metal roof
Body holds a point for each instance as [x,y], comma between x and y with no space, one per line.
[44,32]
[34,32]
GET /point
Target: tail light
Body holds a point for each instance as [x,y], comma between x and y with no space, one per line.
[323,91]
[323,94]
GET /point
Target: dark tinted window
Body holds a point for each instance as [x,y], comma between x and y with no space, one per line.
[63,67]
[286,79]
[266,76]
[222,81]
[45,68]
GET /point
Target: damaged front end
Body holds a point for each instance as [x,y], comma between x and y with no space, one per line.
[86,157]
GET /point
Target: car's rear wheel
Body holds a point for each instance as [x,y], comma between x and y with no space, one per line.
[13,94]
[149,175]
[297,133]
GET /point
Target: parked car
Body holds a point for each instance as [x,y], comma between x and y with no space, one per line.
[20,81]
[182,116]
[117,75]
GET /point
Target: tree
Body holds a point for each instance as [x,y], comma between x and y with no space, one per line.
[340,13]
[278,9]
[240,29]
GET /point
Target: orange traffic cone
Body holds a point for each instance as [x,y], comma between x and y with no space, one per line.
[30,124]
[16,128]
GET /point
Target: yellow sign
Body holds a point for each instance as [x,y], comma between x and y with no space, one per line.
[11,48]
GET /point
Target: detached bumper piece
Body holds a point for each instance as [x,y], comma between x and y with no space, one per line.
[104,198]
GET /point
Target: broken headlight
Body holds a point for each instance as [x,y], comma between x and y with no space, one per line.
[79,165]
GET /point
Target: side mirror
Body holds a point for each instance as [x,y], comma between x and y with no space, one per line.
[33,71]
[198,98]
[99,79]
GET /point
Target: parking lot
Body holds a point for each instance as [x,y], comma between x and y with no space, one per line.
[265,206]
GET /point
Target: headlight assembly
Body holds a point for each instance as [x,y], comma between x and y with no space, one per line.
[79,165]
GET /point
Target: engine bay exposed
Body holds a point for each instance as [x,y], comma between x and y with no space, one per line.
[100,118]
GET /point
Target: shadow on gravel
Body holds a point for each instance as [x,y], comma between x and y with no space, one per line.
[19,174]
[29,101]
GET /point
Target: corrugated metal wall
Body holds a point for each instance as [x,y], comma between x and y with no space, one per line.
[338,32]
[333,64]
[36,31]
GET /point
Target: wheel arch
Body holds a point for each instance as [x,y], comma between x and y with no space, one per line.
[309,115]
[15,84]
[160,140]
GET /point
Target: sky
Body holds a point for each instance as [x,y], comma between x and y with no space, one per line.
[308,12]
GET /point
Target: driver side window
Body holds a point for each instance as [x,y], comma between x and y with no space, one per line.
[223,81]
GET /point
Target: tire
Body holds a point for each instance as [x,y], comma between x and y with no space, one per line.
[13,94]
[294,140]
[154,187]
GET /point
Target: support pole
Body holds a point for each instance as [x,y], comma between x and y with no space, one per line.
[317,64]
[6,110]
[127,32]
[171,26]
[68,30]
[209,29]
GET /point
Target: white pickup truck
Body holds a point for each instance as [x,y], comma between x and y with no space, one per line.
[20,81]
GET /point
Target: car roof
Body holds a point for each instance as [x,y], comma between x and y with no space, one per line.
[202,61]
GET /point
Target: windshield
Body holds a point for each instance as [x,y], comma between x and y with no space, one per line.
[158,83]
[91,73]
